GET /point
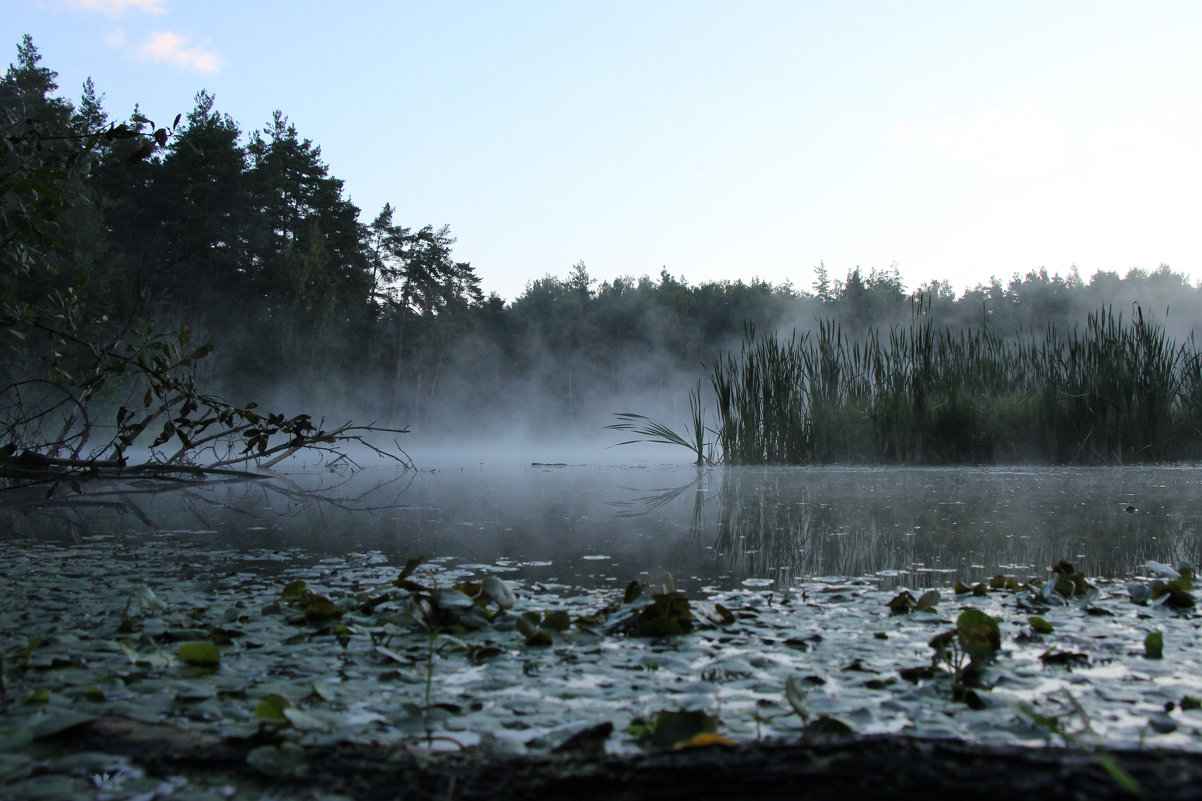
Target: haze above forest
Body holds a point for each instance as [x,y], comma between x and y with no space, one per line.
[245,236]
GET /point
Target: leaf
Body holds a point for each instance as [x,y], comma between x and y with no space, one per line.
[796,695]
[673,729]
[902,604]
[1039,625]
[203,654]
[294,591]
[285,762]
[303,721]
[527,624]
[1154,645]
[139,155]
[558,620]
[499,592]
[927,600]
[825,726]
[979,634]
[58,721]
[271,708]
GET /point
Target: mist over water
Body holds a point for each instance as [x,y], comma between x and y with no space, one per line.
[571,514]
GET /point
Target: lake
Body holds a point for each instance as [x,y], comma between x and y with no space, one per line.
[789,584]
[592,525]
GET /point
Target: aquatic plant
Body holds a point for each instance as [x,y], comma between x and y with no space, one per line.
[651,431]
[1113,391]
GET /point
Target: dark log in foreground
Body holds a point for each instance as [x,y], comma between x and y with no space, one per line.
[875,767]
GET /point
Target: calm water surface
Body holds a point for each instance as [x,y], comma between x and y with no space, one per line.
[600,525]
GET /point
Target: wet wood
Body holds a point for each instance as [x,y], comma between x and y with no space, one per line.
[874,767]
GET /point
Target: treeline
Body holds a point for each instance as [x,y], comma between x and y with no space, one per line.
[247,238]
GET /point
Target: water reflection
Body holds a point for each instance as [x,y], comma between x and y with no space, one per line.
[590,525]
[923,527]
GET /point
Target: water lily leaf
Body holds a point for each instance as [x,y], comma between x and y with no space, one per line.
[285,762]
[798,698]
[558,620]
[713,613]
[294,591]
[499,592]
[1154,645]
[927,600]
[202,654]
[302,720]
[1039,625]
[59,720]
[451,599]
[1066,658]
[271,708]
[142,596]
[391,654]
[825,726]
[671,729]
[540,638]
[1175,593]
[902,604]
[527,624]
[1161,569]
[324,691]
[979,634]
[319,609]
[588,741]
[1161,723]
[667,614]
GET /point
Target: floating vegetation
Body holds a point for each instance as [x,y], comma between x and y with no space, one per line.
[1113,392]
[433,656]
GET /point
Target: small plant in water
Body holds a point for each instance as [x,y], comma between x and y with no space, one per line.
[965,650]
[651,431]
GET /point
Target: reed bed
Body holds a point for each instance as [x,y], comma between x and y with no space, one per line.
[1110,392]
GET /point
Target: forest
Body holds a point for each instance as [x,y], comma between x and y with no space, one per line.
[242,239]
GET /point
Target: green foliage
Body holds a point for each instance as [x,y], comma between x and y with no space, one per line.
[1113,392]
[247,237]
[1154,645]
[671,729]
[201,654]
[1039,625]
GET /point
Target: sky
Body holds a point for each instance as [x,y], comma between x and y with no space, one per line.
[717,140]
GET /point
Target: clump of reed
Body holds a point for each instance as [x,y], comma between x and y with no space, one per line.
[1108,392]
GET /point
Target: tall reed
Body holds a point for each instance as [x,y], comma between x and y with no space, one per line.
[1111,392]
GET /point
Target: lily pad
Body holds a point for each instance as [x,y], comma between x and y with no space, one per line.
[201,654]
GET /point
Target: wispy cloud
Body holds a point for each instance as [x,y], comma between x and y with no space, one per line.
[115,8]
[172,48]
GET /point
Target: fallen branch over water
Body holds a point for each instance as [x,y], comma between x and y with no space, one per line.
[32,467]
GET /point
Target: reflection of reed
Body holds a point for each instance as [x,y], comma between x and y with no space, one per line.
[659,498]
[775,524]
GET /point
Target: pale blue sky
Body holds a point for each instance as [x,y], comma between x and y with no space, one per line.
[957,140]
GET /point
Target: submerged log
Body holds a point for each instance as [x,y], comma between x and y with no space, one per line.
[872,767]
